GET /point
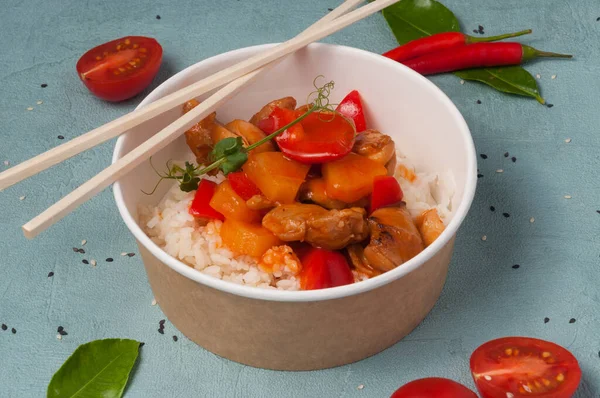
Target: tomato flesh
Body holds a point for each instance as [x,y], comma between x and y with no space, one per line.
[323,269]
[351,107]
[524,367]
[433,387]
[120,69]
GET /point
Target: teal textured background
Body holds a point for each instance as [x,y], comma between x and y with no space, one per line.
[484,297]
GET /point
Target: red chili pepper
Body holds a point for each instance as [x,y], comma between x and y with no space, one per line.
[322,269]
[200,205]
[478,55]
[441,41]
[386,191]
[242,185]
[351,107]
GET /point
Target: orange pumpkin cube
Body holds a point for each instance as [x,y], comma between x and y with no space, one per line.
[351,177]
[250,239]
[231,205]
[277,177]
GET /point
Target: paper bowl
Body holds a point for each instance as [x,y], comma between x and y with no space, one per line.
[316,329]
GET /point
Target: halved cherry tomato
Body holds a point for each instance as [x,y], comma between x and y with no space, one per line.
[386,191]
[524,367]
[318,138]
[242,185]
[121,68]
[322,269]
[351,107]
[433,387]
[200,205]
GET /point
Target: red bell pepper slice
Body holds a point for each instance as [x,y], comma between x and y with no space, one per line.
[242,185]
[323,269]
[200,206]
[351,107]
[386,191]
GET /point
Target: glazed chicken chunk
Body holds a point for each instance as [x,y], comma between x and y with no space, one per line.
[378,147]
[328,229]
[285,103]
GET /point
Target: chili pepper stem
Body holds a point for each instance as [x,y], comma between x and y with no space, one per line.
[471,39]
[530,53]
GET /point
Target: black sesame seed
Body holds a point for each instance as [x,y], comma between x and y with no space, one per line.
[516,266]
[44,85]
[330,9]
[4,327]
[142,344]
[514,159]
[109,260]
[81,251]
[475,31]
[598,211]
[130,254]
[479,175]
[549,105]
[76,250]
[175,338]
[50,274]
[60,329]
[85,261]
[505,154]
[158,17]
[483,156]
[597,19]
[492,208]
[480,27]
[572,320]
[478,102]
[60,137]
[161,331]
[546,320]
[161,322]
[14,331]
[63,333]
[506,215]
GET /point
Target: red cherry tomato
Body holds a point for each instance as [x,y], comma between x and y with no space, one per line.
[524,367]
[242,185]
[386,191]
[433,387]
[318,138]
[322,269]
[200,206]
[351,107]
[121,68]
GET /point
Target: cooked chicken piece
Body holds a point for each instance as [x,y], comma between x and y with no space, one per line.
[285,103]
[314,191]
[430,225]
[303,108]
[394,238]
[391,165]
[250,133]
[360,262]
[329,229]
[259,202]
[198,137]
[374,145]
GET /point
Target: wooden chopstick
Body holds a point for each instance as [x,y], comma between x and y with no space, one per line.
[245,69]
[124,123]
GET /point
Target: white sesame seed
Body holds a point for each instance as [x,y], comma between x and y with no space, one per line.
[532,220]
[538,76]
[83,242]
[153,301]
[22,198]
[6,162]
[123,254]
[510,395]
[568,196]
[526,388]
[30,108]
[40,102]
[488,378]
[360,387]
[499,171]
[462,82]
[553,77]
[93,262]
[59,337]
[484,238]
[568,140]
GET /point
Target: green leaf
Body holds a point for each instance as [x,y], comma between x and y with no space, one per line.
[512,80]
[227,146]
[96,369]
[413,19]
[234,162]
[188,184]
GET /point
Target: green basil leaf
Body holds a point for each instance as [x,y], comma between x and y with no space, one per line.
[234,162]
[96,369]
[413,19]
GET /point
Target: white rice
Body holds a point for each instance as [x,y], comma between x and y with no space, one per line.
[172,228]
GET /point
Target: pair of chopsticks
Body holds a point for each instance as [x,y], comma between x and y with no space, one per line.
[233,79]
